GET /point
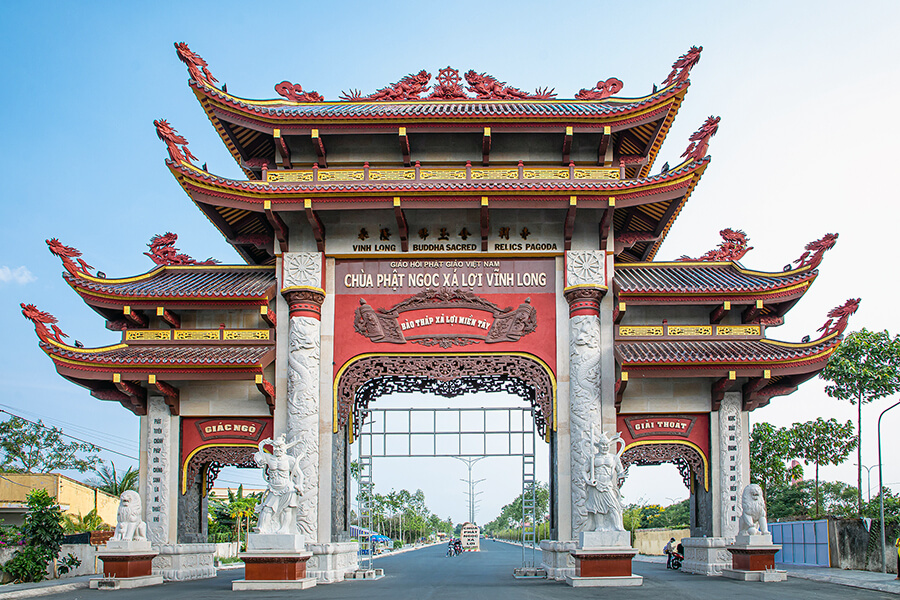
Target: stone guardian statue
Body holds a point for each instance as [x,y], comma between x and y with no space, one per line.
[281,500]
[603,476]
[753,518]
[129,525]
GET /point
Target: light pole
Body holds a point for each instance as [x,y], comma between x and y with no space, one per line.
[469,462]
[868,478]
[881,490]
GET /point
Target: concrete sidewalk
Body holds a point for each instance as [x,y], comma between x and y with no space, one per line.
[867,580]
[12,591]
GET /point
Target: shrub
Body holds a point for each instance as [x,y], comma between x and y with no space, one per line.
[42,534]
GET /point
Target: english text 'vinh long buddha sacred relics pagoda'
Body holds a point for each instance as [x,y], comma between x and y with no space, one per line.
[446,234]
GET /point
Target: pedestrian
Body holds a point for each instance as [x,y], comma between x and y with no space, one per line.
[897,545]
[669,550]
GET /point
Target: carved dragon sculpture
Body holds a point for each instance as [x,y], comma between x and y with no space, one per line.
[839,317]
[169,135]
[41,320]
[681,68]
[66,254]
[294,92]
[197,67]
[603,89]
[408,88]
[624,241]
[164,252]
[700,139]
[487,87]
[733,247]
[816,250]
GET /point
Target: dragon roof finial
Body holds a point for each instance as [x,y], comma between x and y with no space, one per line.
[294,92]
[838,317]
[733,247]
[408,88]
[603,89]
[169,135]
[681,68]
[816,250]
[66,254]
[197,67]
[487,87]
[41,320]
[700,139]
[164,252]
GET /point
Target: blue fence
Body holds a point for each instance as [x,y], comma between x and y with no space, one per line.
[802,542]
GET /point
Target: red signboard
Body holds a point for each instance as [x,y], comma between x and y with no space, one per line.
[422,306]
[690,429]
[197,433]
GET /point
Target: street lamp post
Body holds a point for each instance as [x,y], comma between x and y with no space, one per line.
[868,479]
[469,463]
[881,490]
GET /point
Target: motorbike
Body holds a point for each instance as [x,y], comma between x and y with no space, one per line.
[677,560]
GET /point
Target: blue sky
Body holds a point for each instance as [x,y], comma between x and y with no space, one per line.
[806,91]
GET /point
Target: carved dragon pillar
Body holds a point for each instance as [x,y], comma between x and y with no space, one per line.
[585,287]
[302,289]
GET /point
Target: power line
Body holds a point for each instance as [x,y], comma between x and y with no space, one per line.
[39,424]
[53,420]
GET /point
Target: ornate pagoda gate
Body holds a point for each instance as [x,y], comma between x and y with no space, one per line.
[440,237]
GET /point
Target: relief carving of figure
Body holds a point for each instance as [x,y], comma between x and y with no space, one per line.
[753,518]
[284,479]
[129,525]
[603,476]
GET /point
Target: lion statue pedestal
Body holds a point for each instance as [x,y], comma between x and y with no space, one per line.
[128,556]
[753,553]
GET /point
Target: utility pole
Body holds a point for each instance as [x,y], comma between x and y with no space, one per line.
[471,489]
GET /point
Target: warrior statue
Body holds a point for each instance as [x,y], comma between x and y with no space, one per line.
[603,474]
[281,500]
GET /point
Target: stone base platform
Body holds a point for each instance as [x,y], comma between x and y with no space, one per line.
[183,562]
[127,560]
[240,585]
[705,556]
[124,583]
[368,574]
[331,562]
[618,581]
[274,567]
[764,576]
[557,559]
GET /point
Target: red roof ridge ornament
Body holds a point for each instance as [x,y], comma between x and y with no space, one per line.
[197,67]
[169,135]
[732,248]
[163,252]
[41,320]
[487,87]
[603,89]
[700,139]
[839,317]
[294,92]
[681,68]
[816,250]
[448,86]
[66,254]
[410,87]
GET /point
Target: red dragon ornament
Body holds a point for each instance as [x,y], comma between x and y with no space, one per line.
[164,252]
[408,88]
[733,247]
[603,89]
[294,92]
[816,250]
[41,320]
[681,68]
[197,67]
[170,136]
[700,139]
[66,254]
[487,87]
[838,317]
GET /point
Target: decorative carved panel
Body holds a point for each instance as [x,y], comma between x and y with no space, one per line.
[214,459]
[686,459]
[448,376]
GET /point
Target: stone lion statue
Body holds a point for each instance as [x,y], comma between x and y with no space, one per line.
[753,517]
[129,525]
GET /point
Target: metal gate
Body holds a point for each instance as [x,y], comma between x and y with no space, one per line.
[424,433]
[802,542]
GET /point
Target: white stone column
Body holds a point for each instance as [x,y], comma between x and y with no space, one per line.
[302,288]
[159,472]
[732,438]
[585,286]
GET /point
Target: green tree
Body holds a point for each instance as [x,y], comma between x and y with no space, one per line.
[865,367]
[89,522]
[109,481]
[789,501]
[42,533]
[822,443]
[770,449]
[27,447]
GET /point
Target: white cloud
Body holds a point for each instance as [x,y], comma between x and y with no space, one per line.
[20,275]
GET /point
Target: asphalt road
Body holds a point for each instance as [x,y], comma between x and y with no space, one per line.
[428,573]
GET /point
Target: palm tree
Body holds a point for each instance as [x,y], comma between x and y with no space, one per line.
[89,522]
[108,480]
